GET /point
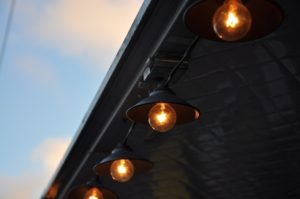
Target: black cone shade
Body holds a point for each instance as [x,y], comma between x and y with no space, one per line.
[266,17]
[79,191]
[140,164]
[184,111]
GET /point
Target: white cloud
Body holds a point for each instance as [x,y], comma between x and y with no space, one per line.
[36,69]
[23,186]
[50,152]
[31,183]
[89,29]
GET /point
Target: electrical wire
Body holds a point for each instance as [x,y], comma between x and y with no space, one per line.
[6,32]
[128,132]
[175,68]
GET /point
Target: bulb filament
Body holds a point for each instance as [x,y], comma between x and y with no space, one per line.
[232,20]
[121,167]
[93,197]
[162,116]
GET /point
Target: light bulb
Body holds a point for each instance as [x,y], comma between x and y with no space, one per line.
[122,170]
[93,193]
[162,117]
[232,21]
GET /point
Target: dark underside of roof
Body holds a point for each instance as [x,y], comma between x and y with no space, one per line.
[246,144]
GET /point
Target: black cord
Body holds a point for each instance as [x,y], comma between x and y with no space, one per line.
[7,29]
[128,133]
[175,68]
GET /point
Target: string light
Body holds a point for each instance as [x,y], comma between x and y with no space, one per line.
[232,21]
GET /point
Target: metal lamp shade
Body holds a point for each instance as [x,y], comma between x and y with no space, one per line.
[184,111]
[266,17]
[140,164]
[79,192]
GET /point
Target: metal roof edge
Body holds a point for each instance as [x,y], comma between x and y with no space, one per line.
[134,33]
[104,83]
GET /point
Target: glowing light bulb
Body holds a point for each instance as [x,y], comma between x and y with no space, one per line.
[232,21]
[122,170]
[162,117]
[93,193]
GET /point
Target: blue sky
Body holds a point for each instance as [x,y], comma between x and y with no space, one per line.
[56,57]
